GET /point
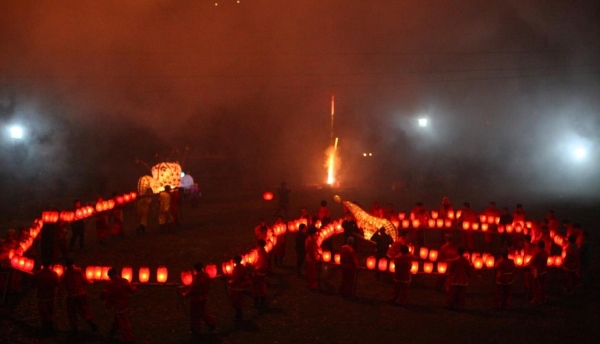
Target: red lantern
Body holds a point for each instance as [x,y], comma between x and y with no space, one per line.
[187,277]
[268,196]
[127,273]
[326,256]
[475,226]
[405,223]
[465,225]
[211,270]
[518,228]
[144,274]
[434,214]
[440,223]
[58,269]
[401,216]
[416,223]
[97,273]
[431,223]
[518,260]
[28,265]
[126,198]
[509,228]
[382,265]
[526,259]
[428,267]
[89,273]
[550,261]
[120,199]
[528,224]
[337,258]
[448,223]
[105,273]
[478,263]
[450,214]
[15,261]
[484,227]
[50,216]
[558,261]
[392,266]
[491,220]
[227,267]
[489,261]
[371,262]
[414,268]
[433,255]
[161,274]
[423,252]
[458,214]
[133,195]
[442,267]
[483,218]
[500,229]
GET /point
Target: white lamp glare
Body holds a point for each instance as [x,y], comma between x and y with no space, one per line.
[422,122]
[16,132]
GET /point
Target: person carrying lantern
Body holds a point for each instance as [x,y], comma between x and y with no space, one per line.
[467,215]
[490,211]
[165,218]
[448,252]
[143,210]
[261,231]
[539,267]
[102,225]
[46,282]
[238,282]
[259,275]
[505,277]
[175,206]
[349,263]
[198,293]
[279,248]
[312,258]
[460,271]
[402,277]
[324,212]
[116,295]
[418,212]
[383,242]
[73,284]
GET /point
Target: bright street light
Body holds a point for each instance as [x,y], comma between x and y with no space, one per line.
[423,122]
[16,132]
[580,153]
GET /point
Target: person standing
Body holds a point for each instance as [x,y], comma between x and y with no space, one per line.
[324,214]
[349,263]
[300,249]
[116,296]
[259,275]
[402,277]
[312,258]
[539,267]
[73,284]
[448,253]
[571,264]
[383,242]
[460,271]
[143,210]
[350,228]
[505,277]
[467,215]
[238,282]
[165,218]
[46,282]
[279,248]
[77,229]
[47,241]
[175,207]
[261,231]
[283,200]
[198,293]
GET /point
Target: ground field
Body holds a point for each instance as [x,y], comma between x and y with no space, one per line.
[223,226]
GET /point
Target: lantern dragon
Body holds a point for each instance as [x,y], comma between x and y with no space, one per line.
[163,174]
[369,224]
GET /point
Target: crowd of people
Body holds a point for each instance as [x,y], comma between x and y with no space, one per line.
[252,277]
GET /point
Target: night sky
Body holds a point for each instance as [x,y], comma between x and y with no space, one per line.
[510,88]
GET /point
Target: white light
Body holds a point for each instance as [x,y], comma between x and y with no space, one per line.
[422,122]
[16,132]
[182,174]
[579,153]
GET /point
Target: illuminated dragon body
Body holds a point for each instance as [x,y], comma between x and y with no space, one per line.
[368,223]
[163,174]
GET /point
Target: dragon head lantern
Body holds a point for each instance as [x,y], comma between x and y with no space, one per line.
[163,174]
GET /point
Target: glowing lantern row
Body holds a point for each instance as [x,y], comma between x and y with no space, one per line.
[67,216]
[84,212]
[478,263]
[105,205]
[50,216]
[22,263]
[97,273]
[490,261]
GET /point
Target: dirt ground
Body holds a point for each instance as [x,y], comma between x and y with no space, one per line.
[222,227]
